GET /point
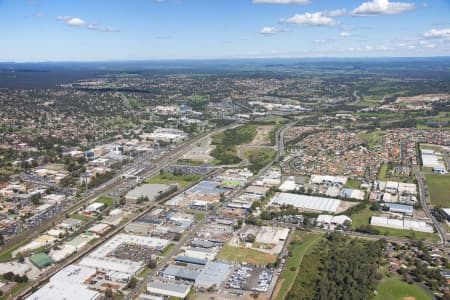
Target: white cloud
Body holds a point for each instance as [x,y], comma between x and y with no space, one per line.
[301,2]
[382,7]
[321,18]
[71,21]
[77,22]
[438,33]
[268,30]
[345,34]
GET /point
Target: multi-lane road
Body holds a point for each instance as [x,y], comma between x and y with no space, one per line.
[423,200]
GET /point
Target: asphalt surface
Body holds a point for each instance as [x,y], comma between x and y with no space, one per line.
[423,200]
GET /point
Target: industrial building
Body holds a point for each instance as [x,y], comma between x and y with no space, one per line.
[153,192]
[333,220]
[167,289]
[67,285]
[404,224]
[306,202]
[432,159]
[400,208]
[214,274]
[117,269]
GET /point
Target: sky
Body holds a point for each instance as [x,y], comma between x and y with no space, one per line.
[101,30]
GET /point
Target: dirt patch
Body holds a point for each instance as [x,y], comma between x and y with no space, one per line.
[263,136]
[277,288]
[409,298]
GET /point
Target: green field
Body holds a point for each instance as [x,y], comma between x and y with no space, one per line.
[352,184]
[300,245]
[105,200]
[372,138]
[259,158]
[168,178]
[439,189]
[415,235]
[81,217]
[362,217]
[251,256]
[395,289]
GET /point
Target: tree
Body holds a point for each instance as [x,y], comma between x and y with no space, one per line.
[132,283]
[152,263]
[109,293]
[250,238]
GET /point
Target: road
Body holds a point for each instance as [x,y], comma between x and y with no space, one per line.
[162,263]
[423,200]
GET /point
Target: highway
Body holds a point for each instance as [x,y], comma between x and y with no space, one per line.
[425,206]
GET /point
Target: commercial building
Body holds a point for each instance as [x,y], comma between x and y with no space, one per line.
[67,285]
[168,289]
[306,202]
[41,260]
[400,208]
[404,224]
[151,191]
[333,220]
[168,135]
[214,274]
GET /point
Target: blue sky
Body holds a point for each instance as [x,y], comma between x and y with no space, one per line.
[87,30]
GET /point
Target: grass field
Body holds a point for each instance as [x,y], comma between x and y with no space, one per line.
[352,184]
[81,217]
[251,256]
[383,172]
[372,138]
[105,200]
[431,147]
[395,289]
[169,178]
[259,157]
[415,235]
[303,242]
[362,217]
[8,254]
[438,187]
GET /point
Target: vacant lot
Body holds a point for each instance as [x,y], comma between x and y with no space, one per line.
[105,200]
[255,257]
[259,157]
[395,289]
[300,245]
[169,178]
[438,187]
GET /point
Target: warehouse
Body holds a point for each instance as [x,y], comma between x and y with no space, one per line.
[400,208]
[214,274]
[120,269]
[306,202]
[406,224]
[181,273]
[95,207]
[168,289]
[41,260]
[152,192]
[67,285]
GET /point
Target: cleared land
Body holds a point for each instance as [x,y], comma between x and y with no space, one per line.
[438,187]
[300,245]
[259,157]
[105,200]
[395,289]
[169,178]
[372,138]
[251,256]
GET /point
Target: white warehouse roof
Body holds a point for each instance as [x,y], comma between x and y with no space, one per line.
[307,202]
